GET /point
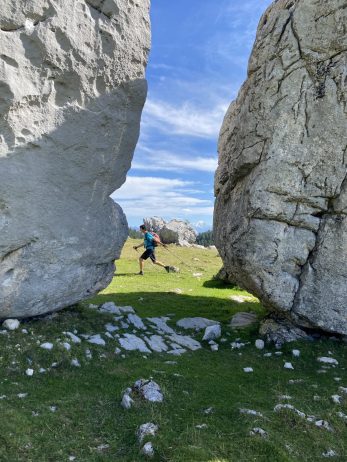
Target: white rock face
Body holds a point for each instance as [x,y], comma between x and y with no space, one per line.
[72,90]
[281,184]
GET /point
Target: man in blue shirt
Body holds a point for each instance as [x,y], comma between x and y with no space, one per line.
[149,244]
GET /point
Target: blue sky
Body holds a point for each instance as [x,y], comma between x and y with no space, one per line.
[198,61]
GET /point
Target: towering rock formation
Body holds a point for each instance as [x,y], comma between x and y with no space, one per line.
[281,184]
[72,89]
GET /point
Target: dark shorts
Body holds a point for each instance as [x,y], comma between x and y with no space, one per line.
[148,253]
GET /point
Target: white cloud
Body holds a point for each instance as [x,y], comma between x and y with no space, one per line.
[169,198]
[161,160]
[185,119]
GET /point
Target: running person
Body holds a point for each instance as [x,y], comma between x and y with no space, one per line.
[149,250]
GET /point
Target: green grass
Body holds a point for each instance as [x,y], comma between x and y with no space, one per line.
[88,398]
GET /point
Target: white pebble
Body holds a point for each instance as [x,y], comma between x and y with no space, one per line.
[29,372]
[296,353]
[47,346]
[247,369]
[11,324]
[148,450]
[326,360]
[67,346]
[288,365]
[336,399]
[75,363]
[259,344]
[329,453]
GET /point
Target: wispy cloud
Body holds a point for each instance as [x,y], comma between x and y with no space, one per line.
[185,119]
[147,196]
[165,161]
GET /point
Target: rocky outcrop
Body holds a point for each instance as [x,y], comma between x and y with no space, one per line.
[72,89]
[154,223]
[176,231]
[281,184]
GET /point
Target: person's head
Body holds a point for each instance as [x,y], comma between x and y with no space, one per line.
[143,229]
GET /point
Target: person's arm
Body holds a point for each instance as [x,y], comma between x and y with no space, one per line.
[137,246]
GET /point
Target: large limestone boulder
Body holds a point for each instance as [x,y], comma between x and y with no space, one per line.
[178,232]
[72,89]
[175,231]
[281,184]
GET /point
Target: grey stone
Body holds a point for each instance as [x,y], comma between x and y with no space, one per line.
[212,332]
[281,331]
[281,186]
[243,319]
[96,340]
[11,324]
[72,92]
[176,231]
[147,429]
[185,341]
[149,390]
[136,321]
[148,450]
[160,324]
[156,343]
[131,342]
[195,323]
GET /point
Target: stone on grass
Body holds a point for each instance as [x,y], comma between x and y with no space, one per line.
[177,351]
[258,431]
[296,353]
[214,347]
[280,331]
[237,345]
[67,346]
[267,355]
[324,424]
[279,407]
[196,323]
[161,326]
[342,415]
[251,412]
[327,360]
[148,450]
[127,401]
[22,395]
[201,426]
[111,328]
[288,365]
[136,321]
[329,453]
[11,324]
[47,346]
[248,369]
[343,390]
[243,298]
[336,399]
[243,319]
[156,343]
[29,372]
[131,342]
[260,344]
[149,390]
[75,363]
[147,429]
[212,332]
[73,337]
[96,340]
[185,341]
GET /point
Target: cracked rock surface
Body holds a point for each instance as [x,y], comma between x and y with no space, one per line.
[72,89]
[281,183]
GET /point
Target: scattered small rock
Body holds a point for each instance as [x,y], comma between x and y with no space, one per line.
[296,353]
[75,363]
[212,332]
[327,360]
[11,324]
[146,430]
[148,450]
[258,431]
[29,372]
[336,399]
[243,319]
[96,340]
[47,346]
[251,412]
[259,344]
[201,426]
[329,453]
[288,365]
[247,369]
[150,390]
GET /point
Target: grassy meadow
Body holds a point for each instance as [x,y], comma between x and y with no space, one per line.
[74,413]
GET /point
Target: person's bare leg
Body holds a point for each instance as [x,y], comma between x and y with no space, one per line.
[141,262]
[159,263]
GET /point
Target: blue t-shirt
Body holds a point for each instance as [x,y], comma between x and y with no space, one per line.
[149,241]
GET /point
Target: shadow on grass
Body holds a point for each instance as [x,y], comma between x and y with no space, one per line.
[218,284]
[179,305]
